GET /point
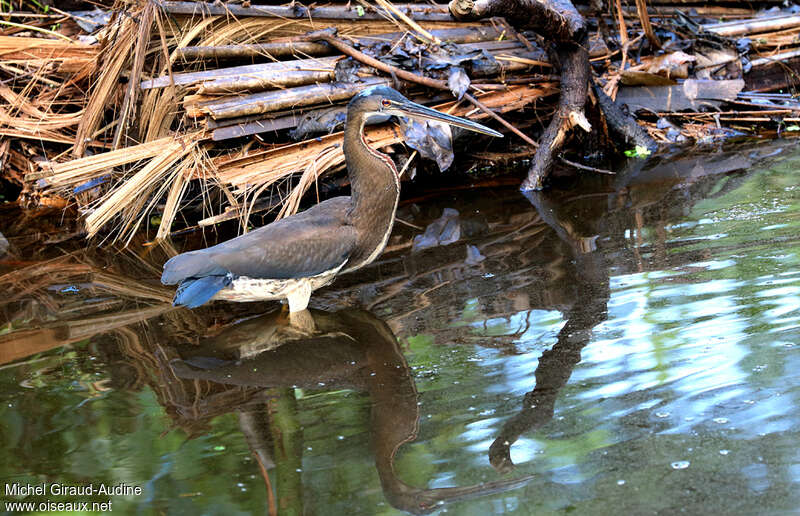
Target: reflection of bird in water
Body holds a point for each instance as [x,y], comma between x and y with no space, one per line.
[294,256]
[351,349]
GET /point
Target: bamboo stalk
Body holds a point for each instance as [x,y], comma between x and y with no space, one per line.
[283,99]
[274,50]
[316,69]
[754,26]
[417,12]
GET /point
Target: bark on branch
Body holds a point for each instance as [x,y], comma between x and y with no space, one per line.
[574,61]
[558,19]
[562,24]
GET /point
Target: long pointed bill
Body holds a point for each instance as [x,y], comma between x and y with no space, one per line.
[414,110]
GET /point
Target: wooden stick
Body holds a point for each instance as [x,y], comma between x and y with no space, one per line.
[411,23]
[754,26]
[328,37]
[644,18]
[500,119]
[418,12]
[586,167]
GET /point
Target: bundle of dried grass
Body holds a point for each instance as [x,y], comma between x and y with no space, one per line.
[181,94]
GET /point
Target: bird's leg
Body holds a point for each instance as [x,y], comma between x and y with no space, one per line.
[298,298]
[299,317]
[303,321]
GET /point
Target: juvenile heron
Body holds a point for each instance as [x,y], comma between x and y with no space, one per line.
[292,257]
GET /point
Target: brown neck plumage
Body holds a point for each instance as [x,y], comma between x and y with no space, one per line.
[375,188]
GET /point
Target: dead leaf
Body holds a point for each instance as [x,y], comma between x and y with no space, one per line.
[674,65]
[642,78]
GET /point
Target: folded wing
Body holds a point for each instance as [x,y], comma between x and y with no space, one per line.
[309,243]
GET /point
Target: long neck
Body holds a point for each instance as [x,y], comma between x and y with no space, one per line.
[375,189]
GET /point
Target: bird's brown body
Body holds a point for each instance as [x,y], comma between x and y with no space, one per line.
[292,257]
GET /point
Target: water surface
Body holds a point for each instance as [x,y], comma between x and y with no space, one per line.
[621,345]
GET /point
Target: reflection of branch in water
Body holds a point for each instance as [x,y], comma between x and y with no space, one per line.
[579,223]
[556,365]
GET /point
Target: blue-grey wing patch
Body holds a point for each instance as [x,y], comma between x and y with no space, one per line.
[195,292]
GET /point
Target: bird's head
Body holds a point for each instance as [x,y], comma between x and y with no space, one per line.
[381,102]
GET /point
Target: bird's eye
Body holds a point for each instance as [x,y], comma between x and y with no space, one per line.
[386,103]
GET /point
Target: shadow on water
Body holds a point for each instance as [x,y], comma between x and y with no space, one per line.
[507,255]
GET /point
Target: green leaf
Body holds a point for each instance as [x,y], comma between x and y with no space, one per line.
[359,10]
[639,152]
[793,127]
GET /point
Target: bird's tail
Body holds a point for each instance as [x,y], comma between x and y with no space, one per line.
[193,292]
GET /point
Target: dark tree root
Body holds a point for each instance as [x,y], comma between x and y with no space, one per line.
[574,62]
[561,23]
[558,19]
[621,123]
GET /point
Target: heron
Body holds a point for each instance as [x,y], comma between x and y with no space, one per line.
[294,256]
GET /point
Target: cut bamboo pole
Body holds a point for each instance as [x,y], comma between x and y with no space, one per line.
[754,26]
[285,99]
[274,50]
[417,12]
[298,72]
[776,58]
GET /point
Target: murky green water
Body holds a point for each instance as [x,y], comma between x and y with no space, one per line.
[628,345]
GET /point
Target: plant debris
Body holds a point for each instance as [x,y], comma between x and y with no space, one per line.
[172,115]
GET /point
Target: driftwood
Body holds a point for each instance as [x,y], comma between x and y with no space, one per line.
[417,12]
[200,72]
[294,48]
[287,74]
[567,28]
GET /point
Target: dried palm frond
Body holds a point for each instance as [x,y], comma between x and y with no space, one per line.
[145,187]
